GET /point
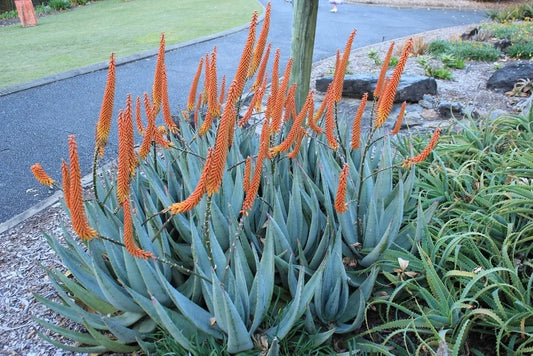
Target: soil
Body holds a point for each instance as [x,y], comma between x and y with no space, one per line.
[24,248]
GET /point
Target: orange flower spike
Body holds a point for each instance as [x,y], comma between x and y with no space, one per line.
[261,42]
[77,209]
[196,196]
[261,94]
[167,117]
[295,129]
[311,120]
[340,199]
[425,153]
[244,63]
[399,120]
[218,164]
[343,64]
[248,115]
[138,119]
[330,123]
[129,242]
[222,90]
[290,104]
[206,125]
[280,98]
[389,92]
[194,86]
[207,77]
[158,76]
[197,109]
[130,137]
[247,173]
[356,127]
[251,192]
[103,127]
[212,101]
[150,128]
[124,157]
[322,106]
[65,177]
[41,176]
[262,69]
[383,72]
[159,139]
[294,153]
[275,75]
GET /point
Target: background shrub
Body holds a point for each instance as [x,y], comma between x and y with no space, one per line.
[465,50]
[59,4]
[522,50]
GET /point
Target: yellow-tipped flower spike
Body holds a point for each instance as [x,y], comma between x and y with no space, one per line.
[77,209]
[41,176]
[425,153]
[340,199]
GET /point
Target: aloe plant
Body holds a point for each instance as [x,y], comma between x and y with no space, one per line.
[173,241]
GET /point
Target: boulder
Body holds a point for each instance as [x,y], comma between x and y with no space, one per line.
[411,87]
[504,79]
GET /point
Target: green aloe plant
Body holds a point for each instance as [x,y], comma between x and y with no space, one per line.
[172,241]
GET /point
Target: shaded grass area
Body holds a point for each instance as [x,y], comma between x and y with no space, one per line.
[89,34]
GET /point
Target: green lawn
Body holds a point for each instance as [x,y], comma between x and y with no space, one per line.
[90,33]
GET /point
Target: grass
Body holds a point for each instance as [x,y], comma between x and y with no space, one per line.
[91,33]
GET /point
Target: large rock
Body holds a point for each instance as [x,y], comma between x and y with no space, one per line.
[411,88]
[504,79]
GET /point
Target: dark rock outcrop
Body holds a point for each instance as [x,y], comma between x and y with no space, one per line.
[411,88]
[504,79]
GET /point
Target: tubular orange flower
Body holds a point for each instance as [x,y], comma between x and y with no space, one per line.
[196,196]
[280,98]
[194,86]
[129,242]
[164,101]
[251,192]
[383,72]
[77,209]
[65,177]
[106,111]
[340,70]
[218,164]
[330,123]
[41,176]
[138,119]
[244,63]
[261,42]
[262,68]
[356,127]
[340,199]
[247,173]
[159,68]
[295,129]
[425,153]
[389,92]
[398,124]
[151,134]
[294,153]
[222,89]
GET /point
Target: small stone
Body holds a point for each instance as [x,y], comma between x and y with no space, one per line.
[447,109]
[429,114]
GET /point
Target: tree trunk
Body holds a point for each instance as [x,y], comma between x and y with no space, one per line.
[302,42]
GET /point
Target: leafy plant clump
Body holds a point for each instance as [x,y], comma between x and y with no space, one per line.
[465,50]
[522,50]
[215,234]
[469,287]
[59,5]
[512,13]
[433,70]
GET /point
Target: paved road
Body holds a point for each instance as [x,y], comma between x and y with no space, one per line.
[35,122]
